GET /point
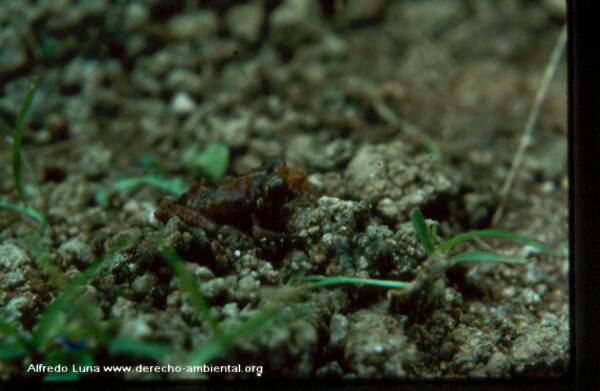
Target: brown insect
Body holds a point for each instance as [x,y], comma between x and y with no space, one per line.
[255,202]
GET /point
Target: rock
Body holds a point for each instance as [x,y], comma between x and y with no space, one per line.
[292,13]
[556,8]
[338,329]
[182,103]
[19,306]
[409,252]
[15,266]
[332,215]
[136,15]
[479,207]
[174,299]
[376,239]
[332,369]
[542,344]
[245,21]
[549,159]
[122,308]
[183,80]
[202,273]
[376,346]
[299,263]
[319,155]
[146,82]
[144,284]
[394,182]
[275,345]
[424,18]
[214,288]
[74,193]
[358,10]
[137,328]
[305,335]
[497,365]
[475,347]
[248,287]
[234,131]
[219,50]
[140,212]
[347,241]
[231,310]
[262,147]
[13,55]
[194,25]
[76,250]
[294,22]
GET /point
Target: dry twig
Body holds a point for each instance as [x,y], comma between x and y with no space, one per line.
[531,121]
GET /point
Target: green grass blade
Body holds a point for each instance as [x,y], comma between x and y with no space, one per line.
[211,162]
[188,285]
[61,376]
[68,358]
[322,281]
[31,213]
[483,256]
[220,346]
[170,186]
[139,349]
[36,247]
[408,128]
[17,142]
[174,186]
[422,138]
[8,329]
[43,329]
[423,234]
[151,165]
[83,308]
[12,350]
[498,234]
[258,322]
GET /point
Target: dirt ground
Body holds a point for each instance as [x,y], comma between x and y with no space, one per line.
[350,92]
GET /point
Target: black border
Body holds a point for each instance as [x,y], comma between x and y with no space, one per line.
[584,122]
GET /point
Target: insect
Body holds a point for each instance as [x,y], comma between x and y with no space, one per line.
[254,203]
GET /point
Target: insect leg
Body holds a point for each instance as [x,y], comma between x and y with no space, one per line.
[193,217]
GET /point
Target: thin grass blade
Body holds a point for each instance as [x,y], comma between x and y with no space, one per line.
[174,186]
[483,256]
[17,142]
[423,234]
[12,350]
[498,234]
[323,281]
[70,359]
[40,254]
[188,285]
[170,186]
[45,324]
[8,329]
[31,213]
[136,348]
[258,322]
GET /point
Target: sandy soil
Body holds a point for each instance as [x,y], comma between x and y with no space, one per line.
[351,92]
